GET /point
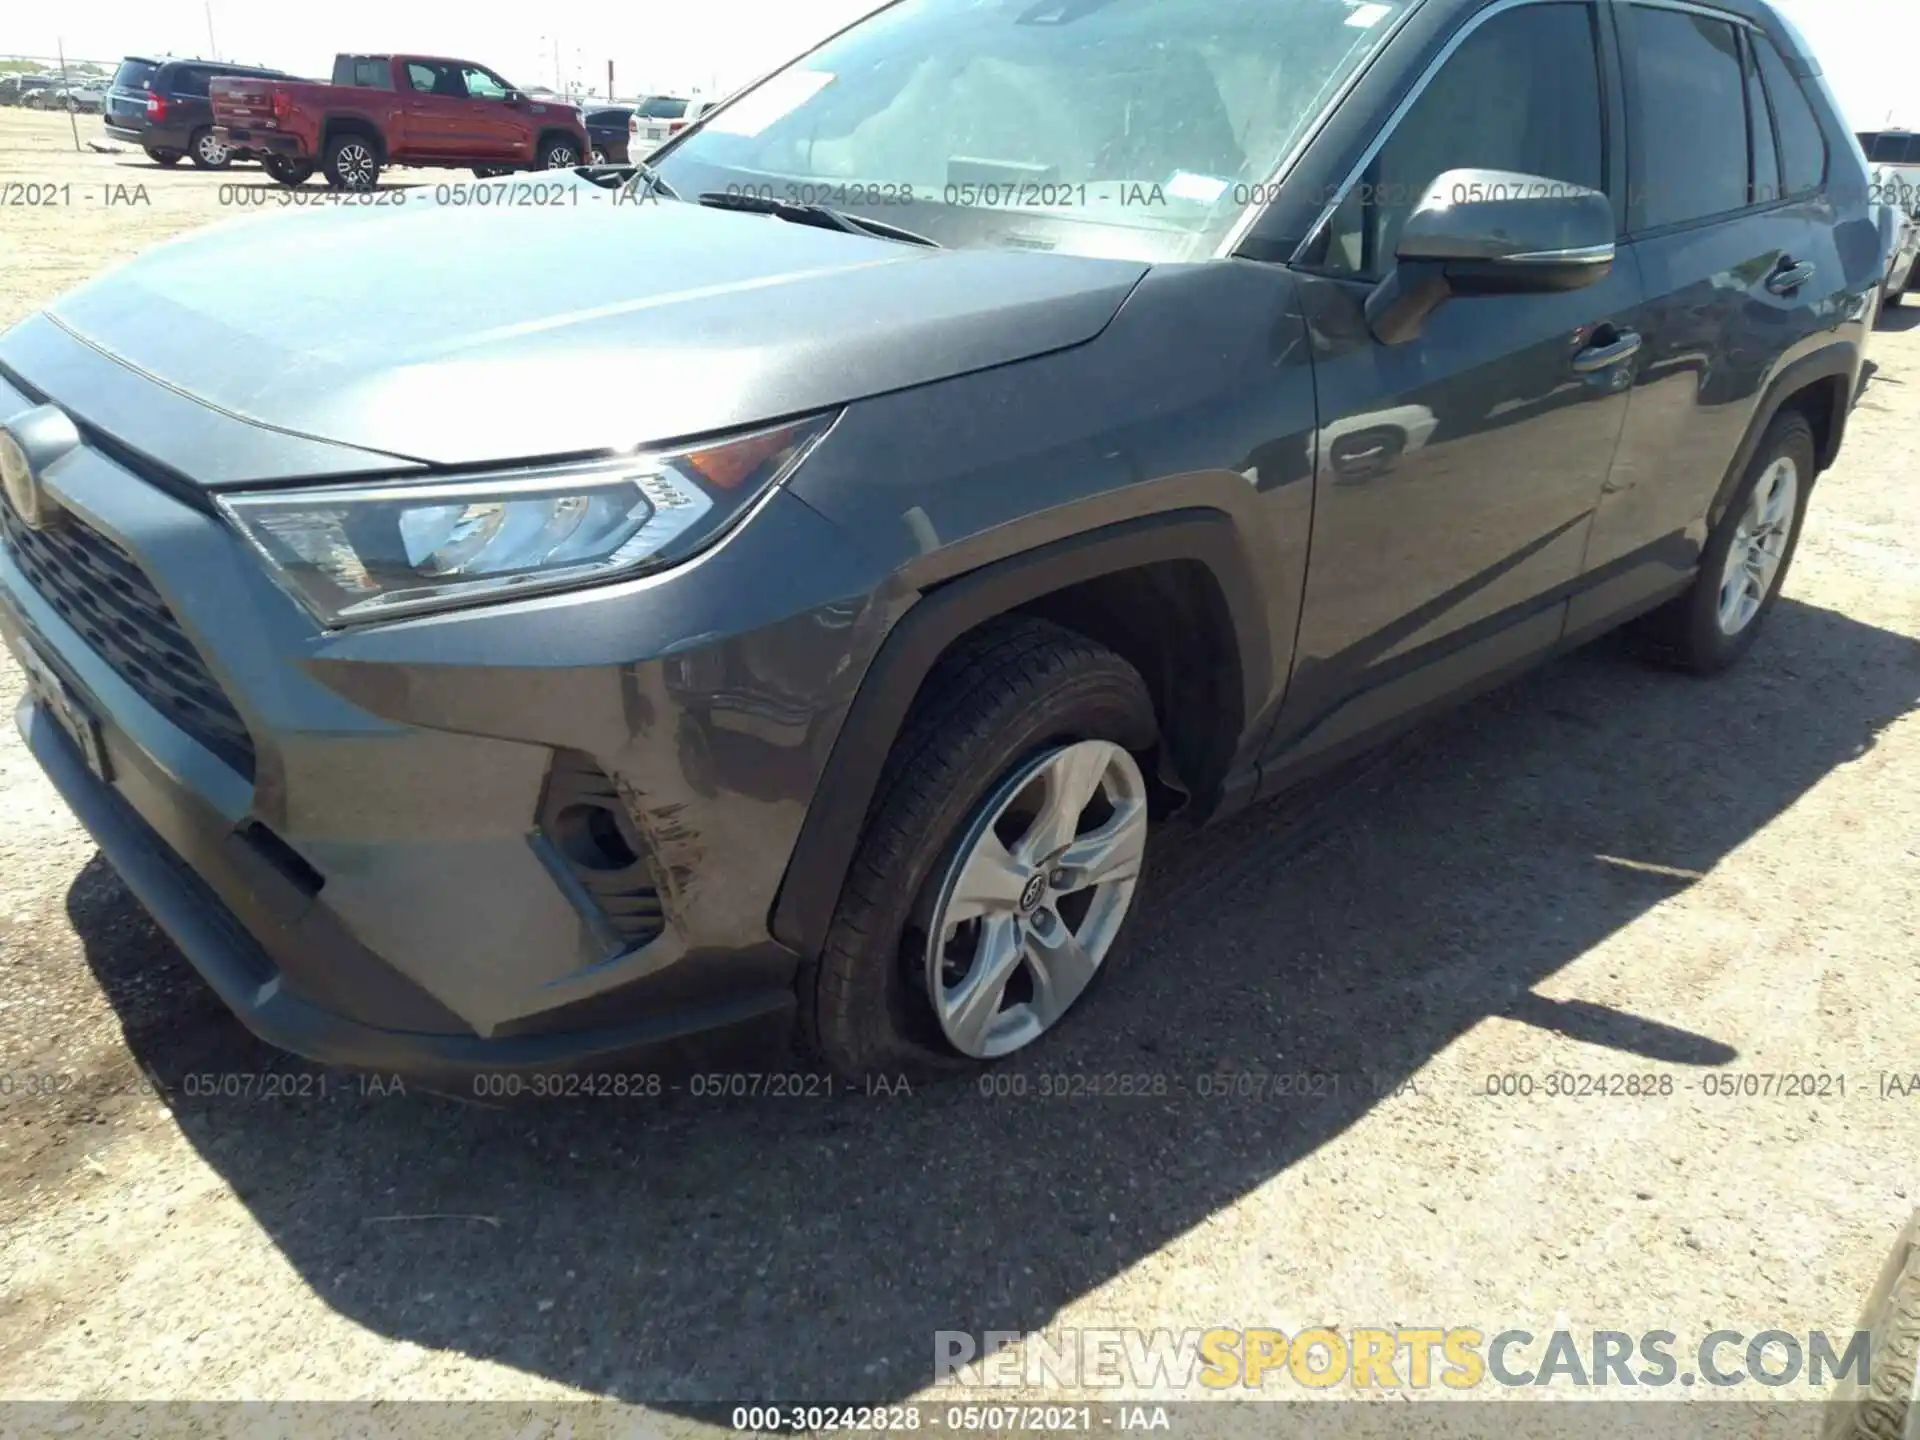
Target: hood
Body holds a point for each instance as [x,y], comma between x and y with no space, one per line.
[551,321]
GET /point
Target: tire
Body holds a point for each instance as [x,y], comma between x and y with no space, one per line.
[1007,698]
[206,151]
[287,171]
[597,156]
[351,162]
[1688,633]
[558,155]
[1882,1409]
[165,157]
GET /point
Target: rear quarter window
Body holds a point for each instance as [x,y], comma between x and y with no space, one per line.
[1803,148]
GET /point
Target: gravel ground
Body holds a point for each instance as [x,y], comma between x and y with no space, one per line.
[1602,870]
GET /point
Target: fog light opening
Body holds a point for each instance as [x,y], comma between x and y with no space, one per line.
[590,836]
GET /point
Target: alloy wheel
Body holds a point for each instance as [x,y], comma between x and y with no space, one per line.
[1035,896]
[1759,546]
[356,165]
[211,150]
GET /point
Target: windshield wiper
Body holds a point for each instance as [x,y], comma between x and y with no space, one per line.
[821,216]
[656,183]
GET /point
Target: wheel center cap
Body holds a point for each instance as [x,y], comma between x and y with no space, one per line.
[1032,891]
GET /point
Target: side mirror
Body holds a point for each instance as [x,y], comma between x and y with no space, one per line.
[1491,232]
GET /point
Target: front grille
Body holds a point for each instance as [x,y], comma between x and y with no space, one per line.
[102,592]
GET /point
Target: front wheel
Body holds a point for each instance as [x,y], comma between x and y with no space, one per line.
[559,155]
[208,152]
[351,164]
[286,171]
[1746,558]
[999,861]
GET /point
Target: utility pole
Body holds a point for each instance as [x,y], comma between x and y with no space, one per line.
[212,45]
[66,87]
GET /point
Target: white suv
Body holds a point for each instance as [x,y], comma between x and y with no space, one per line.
[1894,156]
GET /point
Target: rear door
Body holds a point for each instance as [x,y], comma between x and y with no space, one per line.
[1730,229]
[187,96]
[1458,470]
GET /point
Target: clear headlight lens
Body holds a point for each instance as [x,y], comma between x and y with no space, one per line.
[369,552]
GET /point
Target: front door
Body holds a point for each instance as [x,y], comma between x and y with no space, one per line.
[499,127]
[1457,471]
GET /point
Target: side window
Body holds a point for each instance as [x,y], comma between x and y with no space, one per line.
[1764,188]
[1690,117]
[421,77]
[1521,93]
[483,85]
[1803,148]
[190,81]
[378,74]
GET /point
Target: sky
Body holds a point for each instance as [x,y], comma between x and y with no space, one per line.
[710,46]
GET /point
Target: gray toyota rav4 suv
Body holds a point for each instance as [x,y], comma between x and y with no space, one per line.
[778,597]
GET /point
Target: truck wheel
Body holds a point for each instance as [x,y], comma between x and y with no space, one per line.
[998,861]
[1745,561]
[559,155]
[350,163]
[286,171]
[206,151]
[165,157]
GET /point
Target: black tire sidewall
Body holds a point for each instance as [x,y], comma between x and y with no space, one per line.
[1708,648]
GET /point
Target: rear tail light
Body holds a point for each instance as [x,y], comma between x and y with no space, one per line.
[282,105]
[157,108]
[633,127]
[674,127]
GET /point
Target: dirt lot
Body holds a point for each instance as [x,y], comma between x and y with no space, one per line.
[1604,870]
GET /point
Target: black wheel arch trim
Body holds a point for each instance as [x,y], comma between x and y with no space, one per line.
[1839,360]
[810,892]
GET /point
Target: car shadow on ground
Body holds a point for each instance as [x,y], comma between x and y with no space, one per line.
[699,1250]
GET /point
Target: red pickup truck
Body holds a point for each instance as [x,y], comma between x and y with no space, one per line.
[385,110]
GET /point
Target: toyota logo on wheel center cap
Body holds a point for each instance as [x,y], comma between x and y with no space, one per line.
[1033,890]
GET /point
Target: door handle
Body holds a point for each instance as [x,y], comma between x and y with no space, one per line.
[1624,346]
[1789,277]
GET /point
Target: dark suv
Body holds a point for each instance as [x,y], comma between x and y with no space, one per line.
[1037,418]
[163,107]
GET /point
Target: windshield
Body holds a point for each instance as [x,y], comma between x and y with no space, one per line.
[1133,128]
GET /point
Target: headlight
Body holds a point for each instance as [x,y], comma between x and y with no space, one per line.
[369,552]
